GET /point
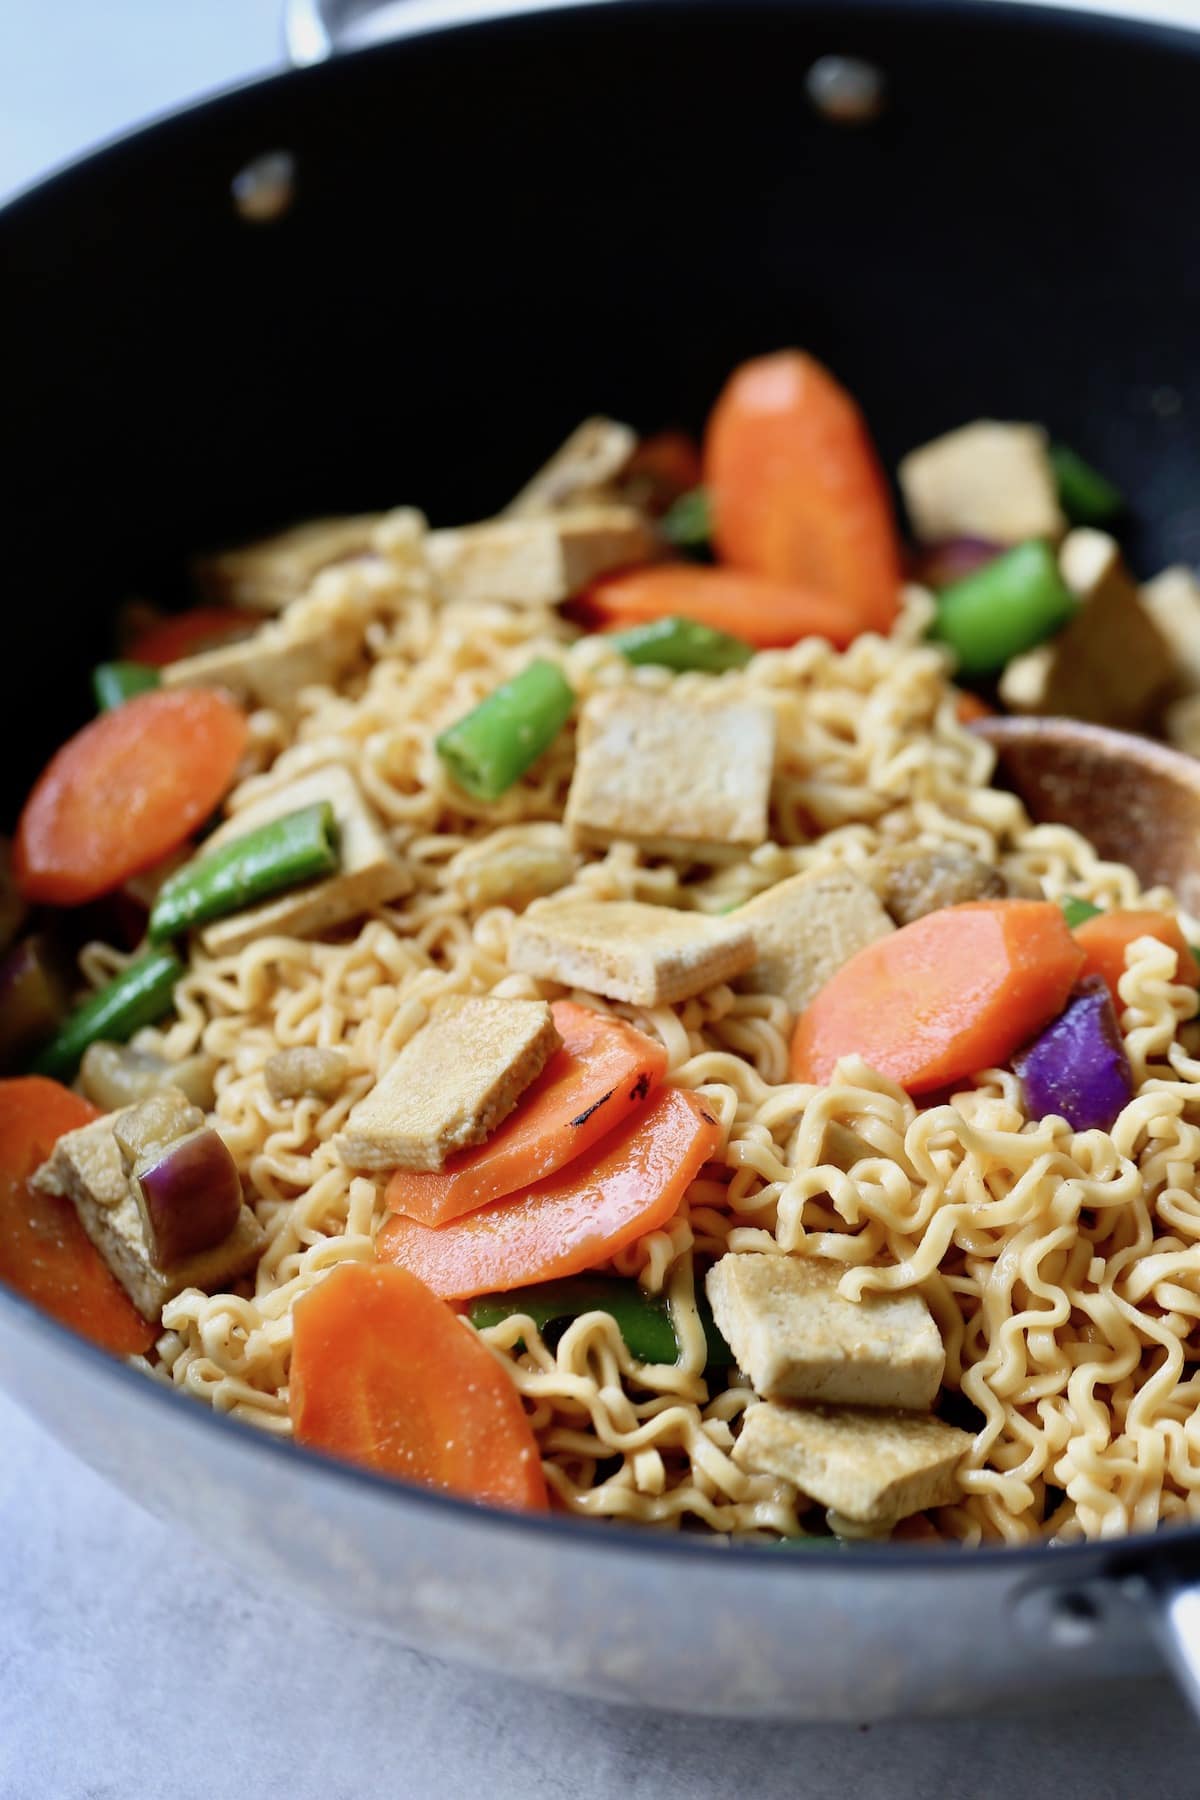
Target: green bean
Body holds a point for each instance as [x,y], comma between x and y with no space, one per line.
[1087,497]
[491,748]
[138,996]
[1008,606]
[676,643]
[687,523]
[115,682]
[644,1320]
[1075,912]
[301,846]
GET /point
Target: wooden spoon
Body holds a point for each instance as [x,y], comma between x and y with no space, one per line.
[1137,801]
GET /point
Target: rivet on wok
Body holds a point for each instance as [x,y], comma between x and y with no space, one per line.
[846,90]
[265,188]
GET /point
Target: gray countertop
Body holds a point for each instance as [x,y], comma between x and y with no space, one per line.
[131,1663]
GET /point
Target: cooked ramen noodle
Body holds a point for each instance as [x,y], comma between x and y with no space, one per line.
[1043,1275]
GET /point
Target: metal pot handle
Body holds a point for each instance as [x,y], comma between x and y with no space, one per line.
[314,30]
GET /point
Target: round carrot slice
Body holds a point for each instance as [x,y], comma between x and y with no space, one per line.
[125,791]
[796,488]
[385,1374]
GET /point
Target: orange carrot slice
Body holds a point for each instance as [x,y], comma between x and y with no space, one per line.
[185,633]
[1105,939]
[45,1254]
[968,707]
[385,1374]
[631,1183]
[604,1069]
[767,614]
[125,791]
[796,488]
[957,991]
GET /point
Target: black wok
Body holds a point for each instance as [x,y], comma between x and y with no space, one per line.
[495,229]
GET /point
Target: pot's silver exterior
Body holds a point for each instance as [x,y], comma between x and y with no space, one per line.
[648,1620]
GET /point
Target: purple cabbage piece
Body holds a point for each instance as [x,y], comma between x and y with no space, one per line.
[1078,1067]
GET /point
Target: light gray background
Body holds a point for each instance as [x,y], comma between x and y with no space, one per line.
[132,1665]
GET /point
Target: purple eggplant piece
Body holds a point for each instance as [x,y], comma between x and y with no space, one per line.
[34,999]
[940,565]
[1078,1068]
[191,1197]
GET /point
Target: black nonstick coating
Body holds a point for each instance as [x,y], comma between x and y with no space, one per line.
[499,229]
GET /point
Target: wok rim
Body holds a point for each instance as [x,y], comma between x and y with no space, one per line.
[1128,1553]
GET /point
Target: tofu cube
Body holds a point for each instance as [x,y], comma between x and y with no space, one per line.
[626,950]
[986,480]
[1172,600]
[451,1085]
[580,470]
[871,1466]
[537,561]
[679,777]
[86,1167]
[797,1338]
[268,574]
[368,876]
[268,668]
[1109,664]
[805,928]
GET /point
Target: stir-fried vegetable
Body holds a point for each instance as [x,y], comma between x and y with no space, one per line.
[33,999]
[601,1072]
[186,1183]
[1076,911]
[631,1183]
[187,633]
[662,468]
[644,1320]
[952,993]
[1105,938]
[676,643]
[301,846]
[45,1254]
[1078,1067]
[113,1075]
[768,614]
[113,683]
[1086,496]
[940,565]
[126,791]
[138,996]
[797,491]
[385,1374]
[1012,603]
[688,523]
[491,748]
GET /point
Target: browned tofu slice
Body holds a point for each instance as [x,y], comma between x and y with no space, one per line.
[1110,664]
[537,561]
[805,928]
[798,1339]
[985,480]
[451,1085]
[86,1167]
[580,469]
[268,668]
[678,777]
[870,1465]
[268,574]
[1172,600]
[626,950]
[369,875]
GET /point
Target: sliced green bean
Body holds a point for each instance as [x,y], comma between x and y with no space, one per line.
[1086,496]
[1003,609]
[115,682]
[687,522]
[1076,912]
[491,748]
[681,644]
[644,1320]
[301,846]
[138,996]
